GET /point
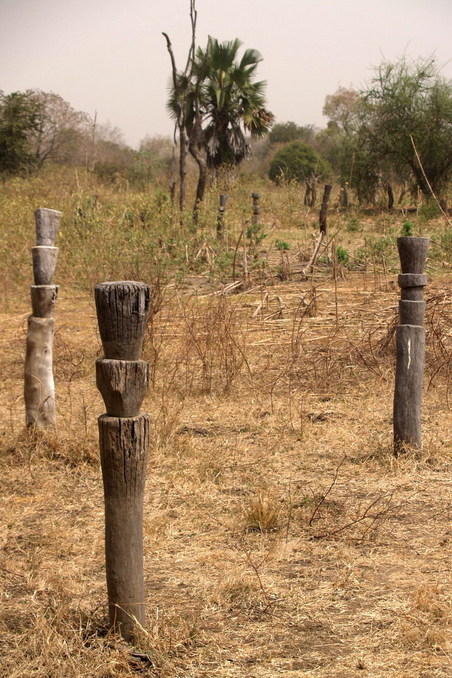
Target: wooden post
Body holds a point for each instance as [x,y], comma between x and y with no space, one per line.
[220,217]
[323,229]
[122,378]
[390,193]
[256,208]
[410,344]
[39,386]
[324,209]
[343,196]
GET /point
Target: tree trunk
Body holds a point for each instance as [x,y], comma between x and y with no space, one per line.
[182,168]
[390,193]
[310,195]
[202,180]
[420,180]
[403,192]
[313,193]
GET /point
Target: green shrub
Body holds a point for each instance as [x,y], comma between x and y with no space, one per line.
[342,256]
[407,228]
[378,251]
[429,211]
[446,243]
[353,225]
[297,161]
[282,245]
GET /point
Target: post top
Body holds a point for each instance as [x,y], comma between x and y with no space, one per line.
[412,253]
[123,309]
[413,237]
[48,211]
[120,283]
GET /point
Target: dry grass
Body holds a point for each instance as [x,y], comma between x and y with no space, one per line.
[282,537]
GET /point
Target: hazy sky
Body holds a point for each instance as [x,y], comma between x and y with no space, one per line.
[110,56]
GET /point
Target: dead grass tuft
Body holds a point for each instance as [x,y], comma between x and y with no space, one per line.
[263,514]
[425,623]
[240,595]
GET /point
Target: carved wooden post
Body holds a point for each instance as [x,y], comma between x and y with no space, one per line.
[256,208]
[220,217]
[410,343]
[39,386]
[122,378]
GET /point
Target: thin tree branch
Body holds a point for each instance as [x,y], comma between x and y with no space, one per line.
[324,496]
[191,52]
[173,60]
[428,182]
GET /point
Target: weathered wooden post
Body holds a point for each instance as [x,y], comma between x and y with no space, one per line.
[122,378]
[39,385]
[220,217]
[256,208]
[343,196]
[323,228]
[323,223]
[410,343]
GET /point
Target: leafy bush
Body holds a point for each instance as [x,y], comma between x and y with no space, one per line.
[445,249]
[429,211]
[297,161]
[282,245]
[342,256]
[285,132]
[378,251]
[407,228]
[354,226]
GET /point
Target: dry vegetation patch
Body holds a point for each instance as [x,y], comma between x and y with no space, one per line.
[281,535]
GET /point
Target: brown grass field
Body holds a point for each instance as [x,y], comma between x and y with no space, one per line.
[282,537]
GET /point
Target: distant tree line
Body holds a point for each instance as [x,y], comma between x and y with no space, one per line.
[395,132]
[37,127]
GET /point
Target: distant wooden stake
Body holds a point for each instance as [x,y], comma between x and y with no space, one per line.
[410,344]
[220,217]
[256,209]
[323,229]
[324,209]
[39,386]
[122,378]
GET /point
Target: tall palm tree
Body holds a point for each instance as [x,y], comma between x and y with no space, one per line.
[232,103]
[220,104]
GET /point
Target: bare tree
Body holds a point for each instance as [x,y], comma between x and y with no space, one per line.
[180,106]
